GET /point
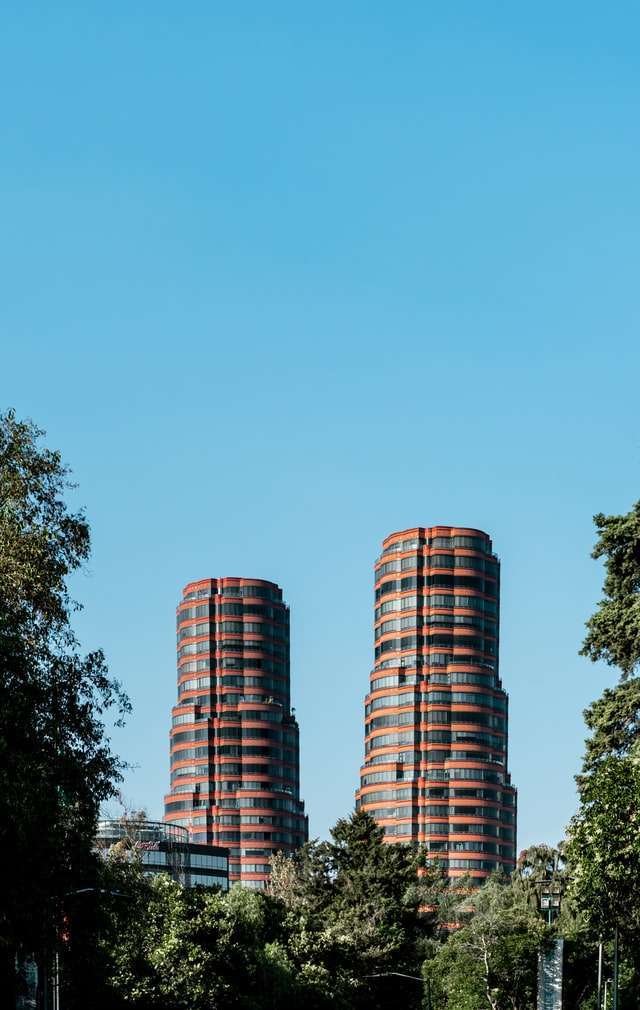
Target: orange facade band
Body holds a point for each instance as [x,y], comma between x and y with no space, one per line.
[436,716]
[235,767]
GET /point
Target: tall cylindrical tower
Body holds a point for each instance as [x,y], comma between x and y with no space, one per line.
[234,738]
[435,767]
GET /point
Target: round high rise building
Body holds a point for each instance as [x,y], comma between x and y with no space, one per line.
[234,739]
[435,768]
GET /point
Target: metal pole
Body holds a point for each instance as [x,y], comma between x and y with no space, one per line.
[45,982]
[599,1003]
[614,1000]
[606,986]
[56,1005]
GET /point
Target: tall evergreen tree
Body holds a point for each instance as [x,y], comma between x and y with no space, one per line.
[375,905]
[613,632]
[603,850]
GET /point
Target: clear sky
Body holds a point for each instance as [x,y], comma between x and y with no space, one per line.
[279,279]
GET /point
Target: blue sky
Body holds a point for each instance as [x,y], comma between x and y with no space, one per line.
[280,279]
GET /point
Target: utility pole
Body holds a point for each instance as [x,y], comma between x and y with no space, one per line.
[550,958]
[56,981]
[56,987]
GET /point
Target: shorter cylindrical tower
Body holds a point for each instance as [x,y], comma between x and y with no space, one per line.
[234,738]
[435,767]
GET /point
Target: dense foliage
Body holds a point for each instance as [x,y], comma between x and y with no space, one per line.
[603,848]
[613,633]
[337,914]
[491,960]
[381,899]
[55,763]
[322,938]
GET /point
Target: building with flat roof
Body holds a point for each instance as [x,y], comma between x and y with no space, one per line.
[234,740]
[435,769]
[165,848]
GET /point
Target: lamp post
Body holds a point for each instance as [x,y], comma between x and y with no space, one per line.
[550,958]
[614,980]
[614,996]
[57,975]
[550,895]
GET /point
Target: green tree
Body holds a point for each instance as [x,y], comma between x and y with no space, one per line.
[491,960]
[604,865]
[335,913]
[176,948]
[55,762]
[604,849]
[601,848]
[613,632]
[540,867]
[374,905]
[614,721]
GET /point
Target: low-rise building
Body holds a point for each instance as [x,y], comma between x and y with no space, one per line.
[165,848]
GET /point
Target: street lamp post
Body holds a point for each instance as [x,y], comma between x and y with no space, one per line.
[614,996]
[57,975]
[550,896]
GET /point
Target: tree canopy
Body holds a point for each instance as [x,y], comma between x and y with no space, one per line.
[336,914]
[56,765]
[491,960]
[603,850]
[613,632]
[377,901]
